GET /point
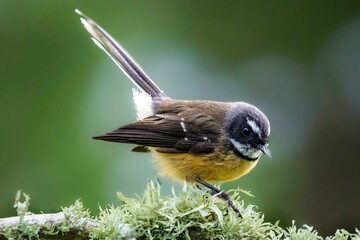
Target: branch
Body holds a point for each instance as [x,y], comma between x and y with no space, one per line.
[47,225]
[72,222]
[192,214]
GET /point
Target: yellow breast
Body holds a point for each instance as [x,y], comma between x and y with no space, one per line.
[188,166]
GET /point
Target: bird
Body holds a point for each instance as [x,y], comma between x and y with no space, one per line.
[197,141]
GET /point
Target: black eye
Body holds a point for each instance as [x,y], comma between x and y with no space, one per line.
[246,132]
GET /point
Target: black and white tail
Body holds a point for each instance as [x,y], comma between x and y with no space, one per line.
[121,58]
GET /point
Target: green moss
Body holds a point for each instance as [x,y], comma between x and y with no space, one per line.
[191,214]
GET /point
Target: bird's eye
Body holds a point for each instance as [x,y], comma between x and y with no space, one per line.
[246,132]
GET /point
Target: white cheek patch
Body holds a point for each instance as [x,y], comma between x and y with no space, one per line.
[254,127]
[246,149]
[240,147]
[143,104]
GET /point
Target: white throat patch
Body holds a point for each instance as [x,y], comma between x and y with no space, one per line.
[246,149]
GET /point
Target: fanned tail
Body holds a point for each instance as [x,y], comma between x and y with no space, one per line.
[121,58]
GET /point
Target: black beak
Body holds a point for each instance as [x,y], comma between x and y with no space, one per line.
[265,149]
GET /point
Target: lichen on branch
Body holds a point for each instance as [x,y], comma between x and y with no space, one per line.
[190,214]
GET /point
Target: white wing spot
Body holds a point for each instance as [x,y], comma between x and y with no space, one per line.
[182,124]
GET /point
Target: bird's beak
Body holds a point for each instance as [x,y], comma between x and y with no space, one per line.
[265,149]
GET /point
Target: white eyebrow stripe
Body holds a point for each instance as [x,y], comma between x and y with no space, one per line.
[254,127]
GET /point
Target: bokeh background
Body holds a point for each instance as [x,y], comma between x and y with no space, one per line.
[299,61]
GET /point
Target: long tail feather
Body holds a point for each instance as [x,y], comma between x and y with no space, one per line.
[121,58]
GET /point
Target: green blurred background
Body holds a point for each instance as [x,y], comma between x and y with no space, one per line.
[298,61]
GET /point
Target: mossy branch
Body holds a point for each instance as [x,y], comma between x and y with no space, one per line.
[192,214]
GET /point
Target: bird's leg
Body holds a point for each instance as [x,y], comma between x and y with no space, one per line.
[221,194]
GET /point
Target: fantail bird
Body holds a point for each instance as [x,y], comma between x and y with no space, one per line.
[194,140]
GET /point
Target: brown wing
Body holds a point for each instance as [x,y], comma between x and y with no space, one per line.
[169,133]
